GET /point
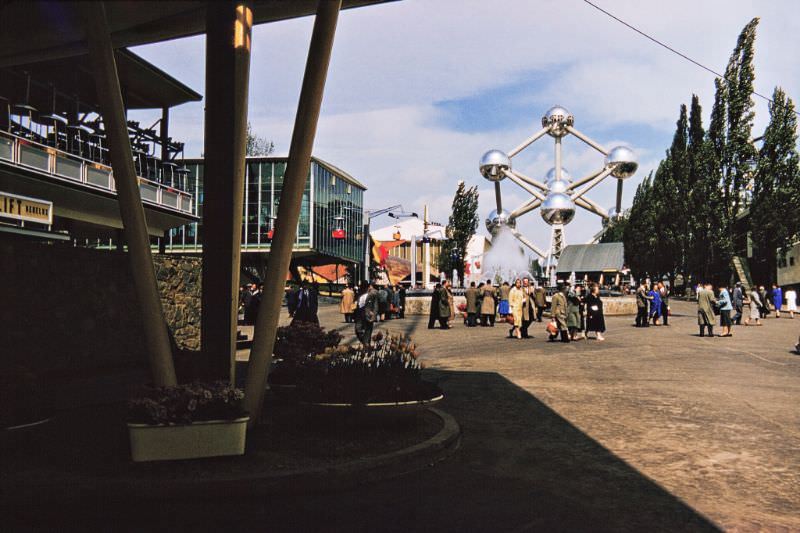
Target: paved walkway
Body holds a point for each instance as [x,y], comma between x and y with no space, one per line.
[652,430]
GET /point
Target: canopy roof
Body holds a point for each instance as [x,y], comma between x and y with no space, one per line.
[606,257]
[33,31]
[144,86]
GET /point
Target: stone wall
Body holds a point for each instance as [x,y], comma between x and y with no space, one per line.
[179,282]
[72,312]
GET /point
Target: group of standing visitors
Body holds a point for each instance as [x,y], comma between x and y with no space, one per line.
[391,302]
[730,308]
[574,315]
[652,304]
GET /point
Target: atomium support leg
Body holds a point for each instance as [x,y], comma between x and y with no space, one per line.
[528,206]
[497,197]
[528,188]
[530,140]
[521,238]
[587,140]
[589,186]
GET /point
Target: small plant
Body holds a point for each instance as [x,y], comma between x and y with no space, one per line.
[187,403]
[301,339]
[387,371]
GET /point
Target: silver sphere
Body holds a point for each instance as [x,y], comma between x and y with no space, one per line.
[495,221]
[554,185]
[623,161]
[493,163]
[557,208]
[557,118]
[613,213]
[551,175]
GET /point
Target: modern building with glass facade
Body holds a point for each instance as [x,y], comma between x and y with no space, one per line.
[330,229]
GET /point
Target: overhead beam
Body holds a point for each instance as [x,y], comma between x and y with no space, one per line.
[297,170]
[156,336]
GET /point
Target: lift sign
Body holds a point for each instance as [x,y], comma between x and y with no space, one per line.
[25,209]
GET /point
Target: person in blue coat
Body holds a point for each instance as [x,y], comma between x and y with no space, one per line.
[655,305]
[777,299]
[725,306]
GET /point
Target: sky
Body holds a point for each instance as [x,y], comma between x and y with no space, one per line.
[418,90]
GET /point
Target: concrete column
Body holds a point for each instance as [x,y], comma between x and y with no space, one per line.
[228,28]
[164,133]
[156,336]
[297,168]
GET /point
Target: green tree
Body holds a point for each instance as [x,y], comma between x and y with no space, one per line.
[461,227]
[257,145]
[638,233]
[614,230]
[739,150]
[774,213]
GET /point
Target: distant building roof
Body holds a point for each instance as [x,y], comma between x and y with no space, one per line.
[606,257]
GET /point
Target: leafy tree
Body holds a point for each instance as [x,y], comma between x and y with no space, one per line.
[257,145]
[639,229]
[461,227]
[739,150]
[774,212]
[615,229]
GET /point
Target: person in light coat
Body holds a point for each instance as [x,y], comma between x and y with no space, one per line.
[755,307]
[515,298]
[348,304]
[705,310]
[558,311]
[472,295]
[791,302]
[487,304]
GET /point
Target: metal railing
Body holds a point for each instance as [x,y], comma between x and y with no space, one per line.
[31,155]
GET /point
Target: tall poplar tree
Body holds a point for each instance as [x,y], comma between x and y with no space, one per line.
[774,212]
[461,227]
[739,151]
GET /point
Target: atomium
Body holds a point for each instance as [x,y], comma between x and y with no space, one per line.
[557,208]
[623,161]
[495,221]
[493,163]
[556,120]
[557,199]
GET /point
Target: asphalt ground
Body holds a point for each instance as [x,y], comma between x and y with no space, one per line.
[653,429]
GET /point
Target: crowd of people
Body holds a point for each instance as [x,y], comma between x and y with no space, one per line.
[574,315]
[730,306]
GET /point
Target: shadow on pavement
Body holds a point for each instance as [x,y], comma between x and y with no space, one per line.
[521,467]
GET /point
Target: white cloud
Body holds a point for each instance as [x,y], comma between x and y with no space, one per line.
[392,63]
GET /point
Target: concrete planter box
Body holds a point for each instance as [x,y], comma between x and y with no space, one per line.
[200,439]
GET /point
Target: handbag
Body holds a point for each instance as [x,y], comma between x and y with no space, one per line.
[552,327]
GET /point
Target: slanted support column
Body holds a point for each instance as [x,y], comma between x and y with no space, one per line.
[228,29]
[109,95]
[164,134]
[297,168]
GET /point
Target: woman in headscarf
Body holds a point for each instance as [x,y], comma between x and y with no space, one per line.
[755,307]
[595,320]
[574,302]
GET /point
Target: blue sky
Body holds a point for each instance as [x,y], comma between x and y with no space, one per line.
[419,90]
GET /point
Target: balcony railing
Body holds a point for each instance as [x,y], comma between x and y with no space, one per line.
[29,154]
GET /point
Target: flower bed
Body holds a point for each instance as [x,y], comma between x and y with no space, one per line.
[387,372]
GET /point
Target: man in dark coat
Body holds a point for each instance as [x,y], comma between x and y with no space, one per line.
[445,305]
[738,303]
[642,302]
[401,313]
[306,303]
[434,307]
[540,300]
